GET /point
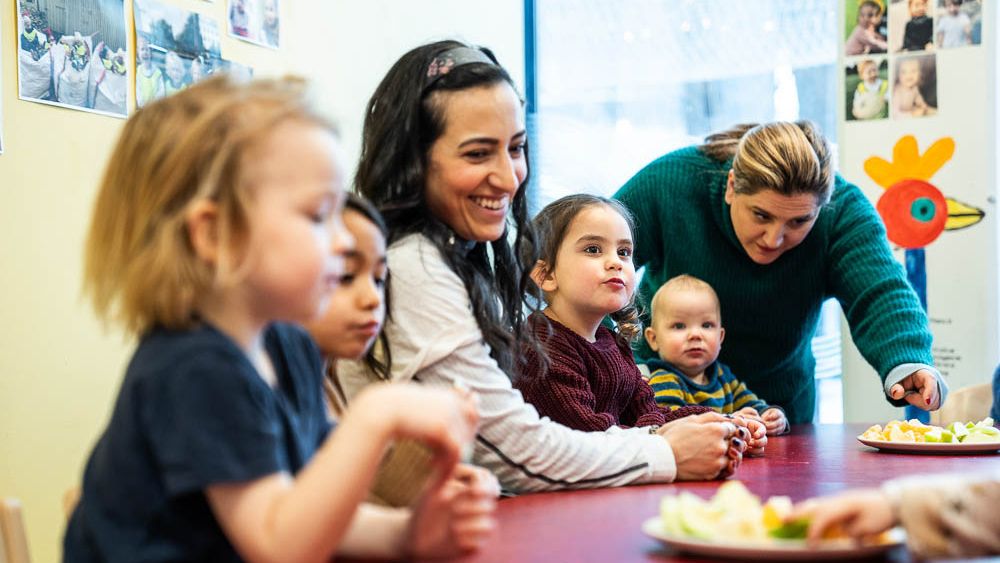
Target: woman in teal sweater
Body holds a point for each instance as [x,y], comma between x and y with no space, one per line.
[758,213]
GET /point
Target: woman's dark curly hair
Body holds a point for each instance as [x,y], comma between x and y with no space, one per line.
[402,121]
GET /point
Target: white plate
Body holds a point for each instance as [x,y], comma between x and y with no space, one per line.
[933,447]
[781,550]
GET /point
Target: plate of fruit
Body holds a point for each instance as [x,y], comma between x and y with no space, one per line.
[913,436]
[735,524]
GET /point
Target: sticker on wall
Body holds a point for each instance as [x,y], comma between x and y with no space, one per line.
[914,211]
[865,27]
[914,88]
[958,23]
[73,54]
[867,86]
[255,21]
[174,49]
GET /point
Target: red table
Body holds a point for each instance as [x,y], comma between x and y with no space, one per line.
[605,524]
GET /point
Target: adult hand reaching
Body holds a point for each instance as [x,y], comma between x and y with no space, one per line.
[920,389]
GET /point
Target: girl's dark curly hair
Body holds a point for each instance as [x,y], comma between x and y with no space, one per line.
[403,119]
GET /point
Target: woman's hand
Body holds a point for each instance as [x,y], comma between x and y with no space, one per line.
[863,512]
[775,421]
[455,517]
[705,446]
[920,389]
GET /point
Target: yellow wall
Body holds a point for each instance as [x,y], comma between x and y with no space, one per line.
[59,369]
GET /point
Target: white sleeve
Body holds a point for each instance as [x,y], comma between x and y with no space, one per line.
[435,339]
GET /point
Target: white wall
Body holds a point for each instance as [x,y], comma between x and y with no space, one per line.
[962,265]
[58,369]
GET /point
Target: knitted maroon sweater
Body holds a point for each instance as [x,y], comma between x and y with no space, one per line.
[589,385]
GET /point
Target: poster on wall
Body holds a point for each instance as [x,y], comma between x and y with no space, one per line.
[255,21]
[174,49]
[73,54]
[928,171]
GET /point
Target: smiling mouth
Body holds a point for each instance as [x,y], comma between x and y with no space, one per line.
[493,204]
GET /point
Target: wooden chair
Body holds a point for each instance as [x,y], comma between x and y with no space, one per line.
[970,403]
[15,539]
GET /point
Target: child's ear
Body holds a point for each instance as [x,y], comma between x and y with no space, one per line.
[650,335]
[202,220]
[722,334]
[543,277]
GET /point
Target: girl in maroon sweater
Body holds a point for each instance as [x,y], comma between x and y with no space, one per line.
[588,379]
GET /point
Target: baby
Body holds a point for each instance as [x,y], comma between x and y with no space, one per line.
[869,99]
[686,331]
[907,100]
[865,38]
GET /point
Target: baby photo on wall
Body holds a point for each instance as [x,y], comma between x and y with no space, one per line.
[864,27]
[255,21]
[911,26]
[866,83]
[73,54]
[959,23]
[914,88]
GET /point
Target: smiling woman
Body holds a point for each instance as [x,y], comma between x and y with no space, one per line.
[444,158]
[758,213]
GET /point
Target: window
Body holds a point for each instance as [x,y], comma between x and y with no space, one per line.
[613,85]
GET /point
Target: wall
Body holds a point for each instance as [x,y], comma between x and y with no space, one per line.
[962,265]
[59,369]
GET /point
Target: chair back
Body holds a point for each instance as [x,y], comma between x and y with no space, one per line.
[970,403]
[15,539]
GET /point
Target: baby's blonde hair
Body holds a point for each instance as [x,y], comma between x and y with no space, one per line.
[140,268]
[681,282]
[865,63]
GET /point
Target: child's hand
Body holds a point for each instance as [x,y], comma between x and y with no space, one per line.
[455,517]
[863,512]
[757,433]
[749,412]
[775,421]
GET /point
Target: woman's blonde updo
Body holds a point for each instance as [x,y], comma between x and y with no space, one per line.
[790,158]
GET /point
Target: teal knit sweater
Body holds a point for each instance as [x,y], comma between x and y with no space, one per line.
[770,312]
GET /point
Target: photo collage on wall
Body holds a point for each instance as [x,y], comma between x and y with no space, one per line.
[890,51]
[74,54]
[174,49]
[78,54]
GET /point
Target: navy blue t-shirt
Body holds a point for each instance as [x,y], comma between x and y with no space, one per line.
[193,412]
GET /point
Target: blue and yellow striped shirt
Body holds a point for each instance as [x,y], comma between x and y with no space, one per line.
[722,393]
